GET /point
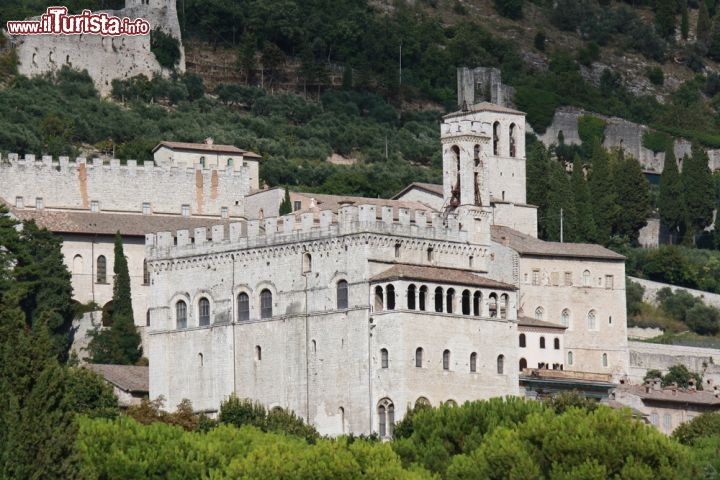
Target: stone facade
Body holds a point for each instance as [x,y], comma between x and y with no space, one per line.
[104,57]
[350,310]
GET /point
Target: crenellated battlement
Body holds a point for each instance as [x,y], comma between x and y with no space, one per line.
[326,224]
[66,164]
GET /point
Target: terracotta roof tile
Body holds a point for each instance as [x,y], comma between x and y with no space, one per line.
[528,245]
[108,223]
[485,107]
[702,397]
[334,202]
[532,322]
[439,275]
[204,147]
[432,188]
[130,378]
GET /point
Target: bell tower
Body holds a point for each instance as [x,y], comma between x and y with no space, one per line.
[483,163]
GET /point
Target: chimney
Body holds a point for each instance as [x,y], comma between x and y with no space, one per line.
[691,385]
[648,386]
[656,384]
[209,141]
[674,387]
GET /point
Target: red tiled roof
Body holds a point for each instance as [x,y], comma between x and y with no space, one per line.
[532,322]
[484,107]
[130,378]
[439,275]
[667,394]
[205,147]
[528,245]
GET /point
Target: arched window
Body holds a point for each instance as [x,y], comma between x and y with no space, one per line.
[386,417]
[587,281]
[101,274]
[77,264]
[501,364]
[419,357]
[493,305]
[450,300]
[147,318]
[384,358]
[556,343]
[258,352]
[496,138]
[591,320]
[466,302]
[539,313]
[422,402]
[446,360]
[523,364]
[204,312]
[307,263]
[477,301]
[570,358]
[313,346]
[390,297]
[243,302]
[450,403]
[266,304]
[379,299]
[523,343]
[476,154]
[181,314]
[230,162]
[146,273]
[512,134]
[342,295]
[504,300]
[473,362]
[422,299]
[604,360]
[565,318]
[411,297]
[456,157]
[439,299]
[202,162]
[542,342]
[201,360]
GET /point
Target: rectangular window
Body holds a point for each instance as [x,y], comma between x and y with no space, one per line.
[18,202]
[224,212]
[39,204]
[94,206]
[555,278]
[609,282]
[146,208]
[297,205]
[568,279]
[667,421]
[536,277]
[185,210]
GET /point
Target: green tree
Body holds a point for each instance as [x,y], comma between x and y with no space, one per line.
[120,343]
[684,20]
[165,47]
[633,197]
[634,297]
[705,425]
[538,175]
[602,188]
[699,192]
[286,204]
[560,203]
[665,17]
[509,8]
[670,200]
[704,24]
[585,223]
[246,57]
[680,375]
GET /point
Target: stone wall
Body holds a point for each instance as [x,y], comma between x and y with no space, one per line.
[648,356]
[66,184]
[651,289]
[482,84]
[104,57]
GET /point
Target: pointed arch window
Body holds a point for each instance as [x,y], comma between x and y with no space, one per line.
[243,302]
[181,314]
[565,318]
[386,417]
[342,295]
[591,320]
[204,312]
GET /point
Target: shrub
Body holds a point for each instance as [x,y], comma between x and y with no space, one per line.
[655,75]
[165,47]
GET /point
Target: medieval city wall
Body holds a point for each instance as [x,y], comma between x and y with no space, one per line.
[77,184]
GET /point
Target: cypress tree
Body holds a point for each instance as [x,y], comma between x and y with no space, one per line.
[633,197]
[665,17]
[603,194]
[286,205]
[538,168]
[670,199]
[703,24]
[698,192]
[560,197]
[684,21]
[119,344]
[585,224]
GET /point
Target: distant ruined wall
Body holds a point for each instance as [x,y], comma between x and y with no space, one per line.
[620,133]
[104,57]
[66,184]
[655,356]
[651,289]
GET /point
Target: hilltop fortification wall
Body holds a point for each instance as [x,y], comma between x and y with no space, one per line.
[76,184]
[104,57]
